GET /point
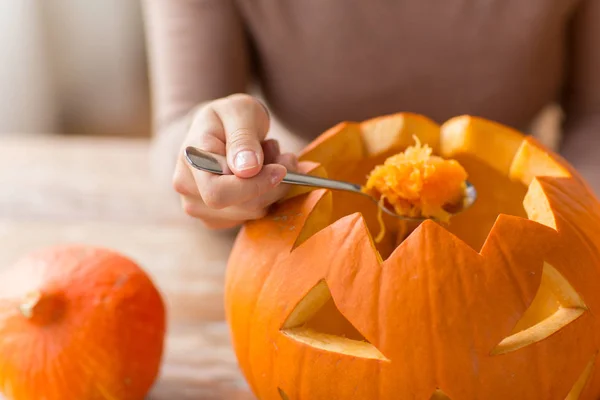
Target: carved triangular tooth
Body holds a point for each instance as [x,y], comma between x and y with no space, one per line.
[349,228]
[531,161]
[487,140]
[344,140]
[581,210]
[292,222]
[512,232]
[323,137]
[318,218]
[558,158]
[429,232]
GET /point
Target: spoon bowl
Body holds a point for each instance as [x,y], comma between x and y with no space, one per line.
[217,164]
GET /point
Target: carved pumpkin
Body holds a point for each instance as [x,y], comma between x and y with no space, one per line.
[78,322]
[501,303]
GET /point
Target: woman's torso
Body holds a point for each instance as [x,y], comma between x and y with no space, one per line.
[322,62]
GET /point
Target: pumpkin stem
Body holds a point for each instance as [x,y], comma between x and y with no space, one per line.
[42,308]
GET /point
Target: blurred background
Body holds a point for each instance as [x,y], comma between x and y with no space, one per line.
[78,67]
[73,67]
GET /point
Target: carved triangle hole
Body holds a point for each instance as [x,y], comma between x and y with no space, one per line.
[439,395]
[579,385]
[282,394]
[317,322]
[555,305]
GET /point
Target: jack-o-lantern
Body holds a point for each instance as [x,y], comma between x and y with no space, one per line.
[499,303]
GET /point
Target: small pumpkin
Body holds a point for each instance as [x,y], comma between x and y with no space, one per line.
[500,302]
[79,322]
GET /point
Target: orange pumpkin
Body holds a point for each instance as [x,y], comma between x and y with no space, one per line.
[501,303]
[79,322]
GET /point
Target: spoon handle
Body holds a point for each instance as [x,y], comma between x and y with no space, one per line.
[315,181]
[217,164]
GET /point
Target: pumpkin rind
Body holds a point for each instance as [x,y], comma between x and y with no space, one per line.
[438,306]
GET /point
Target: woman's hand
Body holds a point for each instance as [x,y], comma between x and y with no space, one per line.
[235,127]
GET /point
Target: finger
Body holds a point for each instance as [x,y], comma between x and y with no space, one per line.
[288,160]
[226,218]
[183,179]
[198,210]
[259,204]
[206,132]
[271,150]
[220,191]
[246,124]
[194,206]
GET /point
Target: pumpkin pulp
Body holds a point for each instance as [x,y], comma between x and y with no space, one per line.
[418,184]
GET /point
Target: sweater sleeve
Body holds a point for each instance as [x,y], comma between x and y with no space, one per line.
[581,144]
[197,52]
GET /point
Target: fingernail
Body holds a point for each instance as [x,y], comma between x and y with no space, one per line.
[277,176]
[246,159]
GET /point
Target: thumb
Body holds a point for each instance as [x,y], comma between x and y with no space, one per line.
[246,124]
[244,153]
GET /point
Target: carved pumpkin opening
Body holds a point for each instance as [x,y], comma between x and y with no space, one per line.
[499,161]
[439,395]
[579,385]
[282,394]
[497,194]
[317,322]
[555,305]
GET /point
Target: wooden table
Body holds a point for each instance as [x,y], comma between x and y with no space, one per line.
[101,191]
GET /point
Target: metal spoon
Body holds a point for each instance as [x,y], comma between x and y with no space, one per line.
[216,164]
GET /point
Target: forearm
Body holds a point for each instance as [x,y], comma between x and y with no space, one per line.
[166,148]
[581,147]
[196,52]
